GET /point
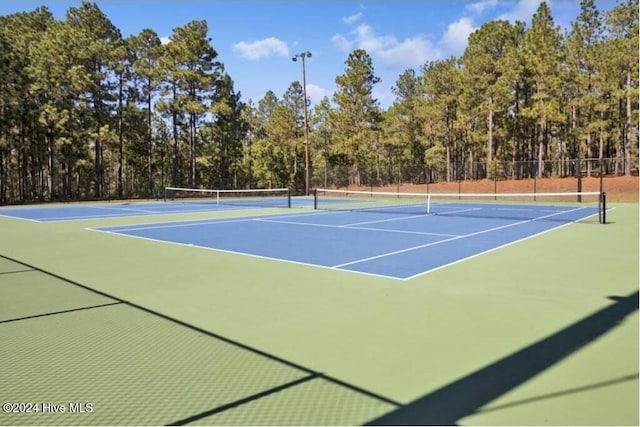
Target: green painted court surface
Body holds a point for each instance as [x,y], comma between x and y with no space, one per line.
[542,332]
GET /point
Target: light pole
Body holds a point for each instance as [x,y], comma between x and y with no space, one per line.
[303,56]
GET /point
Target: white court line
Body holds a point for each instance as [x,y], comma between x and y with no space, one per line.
[524,209]
[497,247]
[19,217]
[495,209]
[332,268]
[93,216]
[458,211]
[354,228]
[85,217]
[123,209]
[170,225]
[451,239]
[384,220]
[195,222]
[128,215]
[115,233]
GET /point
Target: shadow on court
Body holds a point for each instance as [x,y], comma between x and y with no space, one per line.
[287,393]
[464,397]
[130,375]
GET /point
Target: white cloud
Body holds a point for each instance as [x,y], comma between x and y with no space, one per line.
[414,51]
[481,6]
[367,40]
[165,40]
[385,97]
[353,18]
[523,10]
[316,93]
[410,52]
[341,42]
[260,49]
[454,40]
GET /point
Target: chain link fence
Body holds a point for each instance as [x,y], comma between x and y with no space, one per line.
[341,176]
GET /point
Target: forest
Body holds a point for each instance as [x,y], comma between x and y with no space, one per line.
[86,113]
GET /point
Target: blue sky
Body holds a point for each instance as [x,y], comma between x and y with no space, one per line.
[256,39]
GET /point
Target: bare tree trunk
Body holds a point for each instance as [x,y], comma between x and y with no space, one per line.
[574,126]
[448,163]
[120,183]
[490,135]
[192,150]
[175,153]
[601,142]
[3,181]
[50,166]
[541,137]
[149,146]
[589,154]
[630,129]
[619,142]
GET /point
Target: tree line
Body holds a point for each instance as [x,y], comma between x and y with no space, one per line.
[87,113]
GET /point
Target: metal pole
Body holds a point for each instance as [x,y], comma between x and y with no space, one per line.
[303,56]
[306,129]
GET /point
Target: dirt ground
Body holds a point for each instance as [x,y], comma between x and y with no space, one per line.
[617,188]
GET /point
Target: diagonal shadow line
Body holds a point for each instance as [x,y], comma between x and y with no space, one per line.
[245,400]
[14,272]
[237,344]
[461,398]
[59,312]
[561,393]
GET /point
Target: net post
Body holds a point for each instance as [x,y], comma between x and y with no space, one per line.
[603,207]
[315,199]
[288,197]
[165,194]
[428,203]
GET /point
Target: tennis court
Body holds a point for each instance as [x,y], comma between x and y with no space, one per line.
[192,312]
[192,201]
[391,243]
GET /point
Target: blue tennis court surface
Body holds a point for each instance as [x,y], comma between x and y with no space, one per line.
[374,243]
[75,212]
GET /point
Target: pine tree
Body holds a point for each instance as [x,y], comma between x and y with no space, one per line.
[441,85]
[145,50]
[543,59]
[487,78]
[228,132]
[190,72]
[621,48]
[582,66]
[321,140]
[95,39]
[357,115]
[404,124]
[21,32]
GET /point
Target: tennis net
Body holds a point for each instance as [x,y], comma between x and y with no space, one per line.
[264,197]
[564,207]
